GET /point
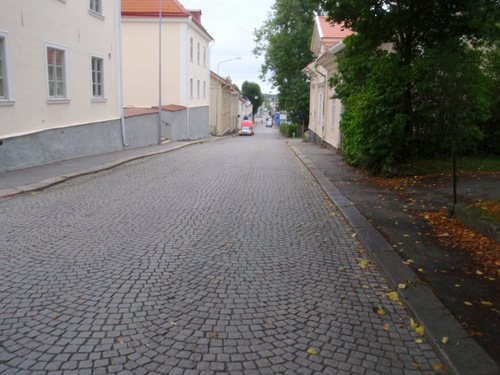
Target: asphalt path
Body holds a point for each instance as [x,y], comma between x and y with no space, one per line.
[225,257]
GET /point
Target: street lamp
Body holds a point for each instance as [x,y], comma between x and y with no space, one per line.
[217,93]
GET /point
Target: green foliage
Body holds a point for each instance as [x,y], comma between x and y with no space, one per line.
[288,130]
[284,40]
[416,79]
[252,91]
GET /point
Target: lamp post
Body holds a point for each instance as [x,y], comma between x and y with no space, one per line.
[159,72]
[217,93]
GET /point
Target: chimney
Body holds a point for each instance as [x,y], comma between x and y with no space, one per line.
[196,15]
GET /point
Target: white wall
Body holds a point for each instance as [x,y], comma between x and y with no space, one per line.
[29,25]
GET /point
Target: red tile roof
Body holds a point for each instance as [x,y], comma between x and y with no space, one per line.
[132,111]
[150,8]
[332,30]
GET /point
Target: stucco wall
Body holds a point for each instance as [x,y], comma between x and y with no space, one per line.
[53,145]
[30,26]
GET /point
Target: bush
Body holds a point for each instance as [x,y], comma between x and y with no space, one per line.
[288,129]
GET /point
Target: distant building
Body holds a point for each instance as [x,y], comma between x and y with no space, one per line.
[325,113]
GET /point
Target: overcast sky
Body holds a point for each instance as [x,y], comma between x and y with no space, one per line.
[231,24]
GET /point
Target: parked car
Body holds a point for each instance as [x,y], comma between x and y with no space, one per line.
[246,128]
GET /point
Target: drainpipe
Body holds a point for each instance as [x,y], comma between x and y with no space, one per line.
[187,82]
[324,106]
[119,68]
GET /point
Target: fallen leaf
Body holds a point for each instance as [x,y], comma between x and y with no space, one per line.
[486,303]
[419,341]
[468,303]
[353,235]
[363,263]
[438,366]
[420,330]
[386,327]
[479,272]
[380,310]
[213,334]
[416,364]
[173,323]
[401,286]
[413,324]
[445,340]
[312,351]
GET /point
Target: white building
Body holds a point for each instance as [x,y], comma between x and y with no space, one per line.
[59,80]
[185,64]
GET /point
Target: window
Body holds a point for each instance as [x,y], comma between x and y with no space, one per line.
[97,76]
[5,96]
[198,54]
[332,124]
[204,57]
[198,88]
[95,6]
[191,87]
[56,73]
[191,48]
[204,89]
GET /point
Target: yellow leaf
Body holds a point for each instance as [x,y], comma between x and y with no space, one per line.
[332,213]
[312,351]
[438,366]
[457,285]
[420,330]
[445,340]
[363,263]
[402,286]
[420,270]
[486,303]
[413,323]
[406,235]
[393,295]
[418,341]
[386,327]
[380,310]
[479,272]
[468,303]
[353,235]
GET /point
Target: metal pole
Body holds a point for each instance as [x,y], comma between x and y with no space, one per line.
[159,73]
[217,93]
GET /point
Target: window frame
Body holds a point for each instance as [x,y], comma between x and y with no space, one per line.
[103,97]
[96,8]
[198,53]
[190,87]
[66,97]
[191,49]
[8,98]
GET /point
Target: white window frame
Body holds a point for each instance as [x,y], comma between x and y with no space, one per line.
[66,97]
[8,97]
[204,57]
[204,89]
[191,87]
[198,88]
[198,54]
[191,47]
[98,98]
[96,8]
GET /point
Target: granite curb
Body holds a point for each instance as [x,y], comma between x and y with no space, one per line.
[462,354]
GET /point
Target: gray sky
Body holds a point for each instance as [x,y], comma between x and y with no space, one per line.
[231,24]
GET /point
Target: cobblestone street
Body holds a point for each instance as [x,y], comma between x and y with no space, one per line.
[221,257]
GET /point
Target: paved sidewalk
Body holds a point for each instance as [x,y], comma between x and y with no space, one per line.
[39,177]
[462,352]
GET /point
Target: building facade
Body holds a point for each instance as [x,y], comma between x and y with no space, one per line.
[184,58]
[59,81]
[325,112]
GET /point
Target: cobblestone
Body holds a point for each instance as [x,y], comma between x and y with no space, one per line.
[218,258]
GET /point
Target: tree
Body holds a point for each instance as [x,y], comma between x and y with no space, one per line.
[284,40]
[252,91]
[411,78]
